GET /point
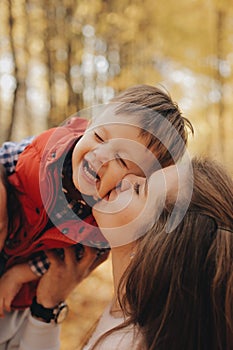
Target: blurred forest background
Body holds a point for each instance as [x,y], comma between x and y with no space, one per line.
[59,56]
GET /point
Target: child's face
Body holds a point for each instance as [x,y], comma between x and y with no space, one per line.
[105,154]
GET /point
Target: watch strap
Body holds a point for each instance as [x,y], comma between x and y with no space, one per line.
[39,311]
[47,314]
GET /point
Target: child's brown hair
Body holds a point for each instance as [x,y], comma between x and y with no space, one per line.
[160,119]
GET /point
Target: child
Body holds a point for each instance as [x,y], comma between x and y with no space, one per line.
[63,163]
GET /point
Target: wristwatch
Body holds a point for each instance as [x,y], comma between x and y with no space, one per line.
[56,314]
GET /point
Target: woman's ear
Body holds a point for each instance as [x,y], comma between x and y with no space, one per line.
[179,182]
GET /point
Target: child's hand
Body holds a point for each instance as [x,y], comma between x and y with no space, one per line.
[11,282]
[9,287]
[3,214]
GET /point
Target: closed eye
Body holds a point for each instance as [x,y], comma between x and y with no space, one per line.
[98,137]
[136,187]
[121,161]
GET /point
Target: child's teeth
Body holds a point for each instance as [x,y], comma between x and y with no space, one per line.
[90,167]
[89,175]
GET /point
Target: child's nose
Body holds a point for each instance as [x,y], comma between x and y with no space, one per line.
[103,153]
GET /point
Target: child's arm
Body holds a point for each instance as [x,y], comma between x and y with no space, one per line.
[11,282]
[9,154]
[10,151]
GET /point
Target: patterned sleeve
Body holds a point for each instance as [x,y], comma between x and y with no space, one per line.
[39,264]
[10,151]
[9,154]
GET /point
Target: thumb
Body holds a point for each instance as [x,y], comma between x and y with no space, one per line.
[52,257]
[88,259]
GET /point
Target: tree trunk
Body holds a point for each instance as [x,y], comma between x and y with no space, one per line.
[220,79]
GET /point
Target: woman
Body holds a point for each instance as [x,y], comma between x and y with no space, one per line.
[176,289]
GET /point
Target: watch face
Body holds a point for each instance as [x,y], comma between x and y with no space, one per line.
[61,314]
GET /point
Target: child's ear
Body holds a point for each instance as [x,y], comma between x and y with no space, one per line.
[89,123]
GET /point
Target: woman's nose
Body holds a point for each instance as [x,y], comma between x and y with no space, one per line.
[130,180]
[125,184]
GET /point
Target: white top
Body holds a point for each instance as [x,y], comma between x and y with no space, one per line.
[40,336]
[124,339]
[45,336]
[11,327]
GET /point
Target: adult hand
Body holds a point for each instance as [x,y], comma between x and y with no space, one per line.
[63,275]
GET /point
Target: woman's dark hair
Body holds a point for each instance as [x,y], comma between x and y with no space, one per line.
[179,287]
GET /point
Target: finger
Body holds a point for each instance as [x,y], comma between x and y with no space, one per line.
[69,256]
[88,258]
[7,304]
[1,308]
[53,257]
[99,260]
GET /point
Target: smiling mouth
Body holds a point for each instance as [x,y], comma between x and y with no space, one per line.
[106,198]
[90,172]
